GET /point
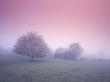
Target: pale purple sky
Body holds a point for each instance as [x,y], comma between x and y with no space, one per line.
[61,22]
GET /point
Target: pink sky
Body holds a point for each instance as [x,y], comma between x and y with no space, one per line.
[61,22]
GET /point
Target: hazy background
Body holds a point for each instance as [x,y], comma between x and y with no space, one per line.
[61,22]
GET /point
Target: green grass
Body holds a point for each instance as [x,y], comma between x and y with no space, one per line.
[45,70]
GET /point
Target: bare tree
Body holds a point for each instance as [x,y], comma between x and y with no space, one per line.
[32,45]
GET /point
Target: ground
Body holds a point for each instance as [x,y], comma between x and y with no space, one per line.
[48,70]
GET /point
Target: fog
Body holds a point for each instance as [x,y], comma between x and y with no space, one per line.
[59,22]
[54,40]
[8,38]
[7,52]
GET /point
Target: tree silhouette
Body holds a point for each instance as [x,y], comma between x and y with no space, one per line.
[32,45]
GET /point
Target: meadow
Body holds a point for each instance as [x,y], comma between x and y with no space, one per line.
[16,69]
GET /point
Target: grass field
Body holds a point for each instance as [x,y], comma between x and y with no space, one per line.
[46,70]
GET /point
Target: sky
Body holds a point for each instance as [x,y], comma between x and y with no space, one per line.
[60,22]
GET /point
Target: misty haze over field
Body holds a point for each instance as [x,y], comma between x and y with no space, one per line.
[54,40]
[59,22]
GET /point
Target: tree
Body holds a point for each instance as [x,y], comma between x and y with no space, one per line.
[59,53]
[74,51]
[32,45]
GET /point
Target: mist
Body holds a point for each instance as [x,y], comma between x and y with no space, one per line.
[54,41]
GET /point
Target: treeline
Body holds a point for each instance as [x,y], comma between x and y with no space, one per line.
[33,45]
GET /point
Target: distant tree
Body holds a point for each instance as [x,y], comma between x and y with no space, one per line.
[74,51]
[32,45]
[59,53]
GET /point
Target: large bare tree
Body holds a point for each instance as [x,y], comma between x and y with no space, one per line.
[32,45]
